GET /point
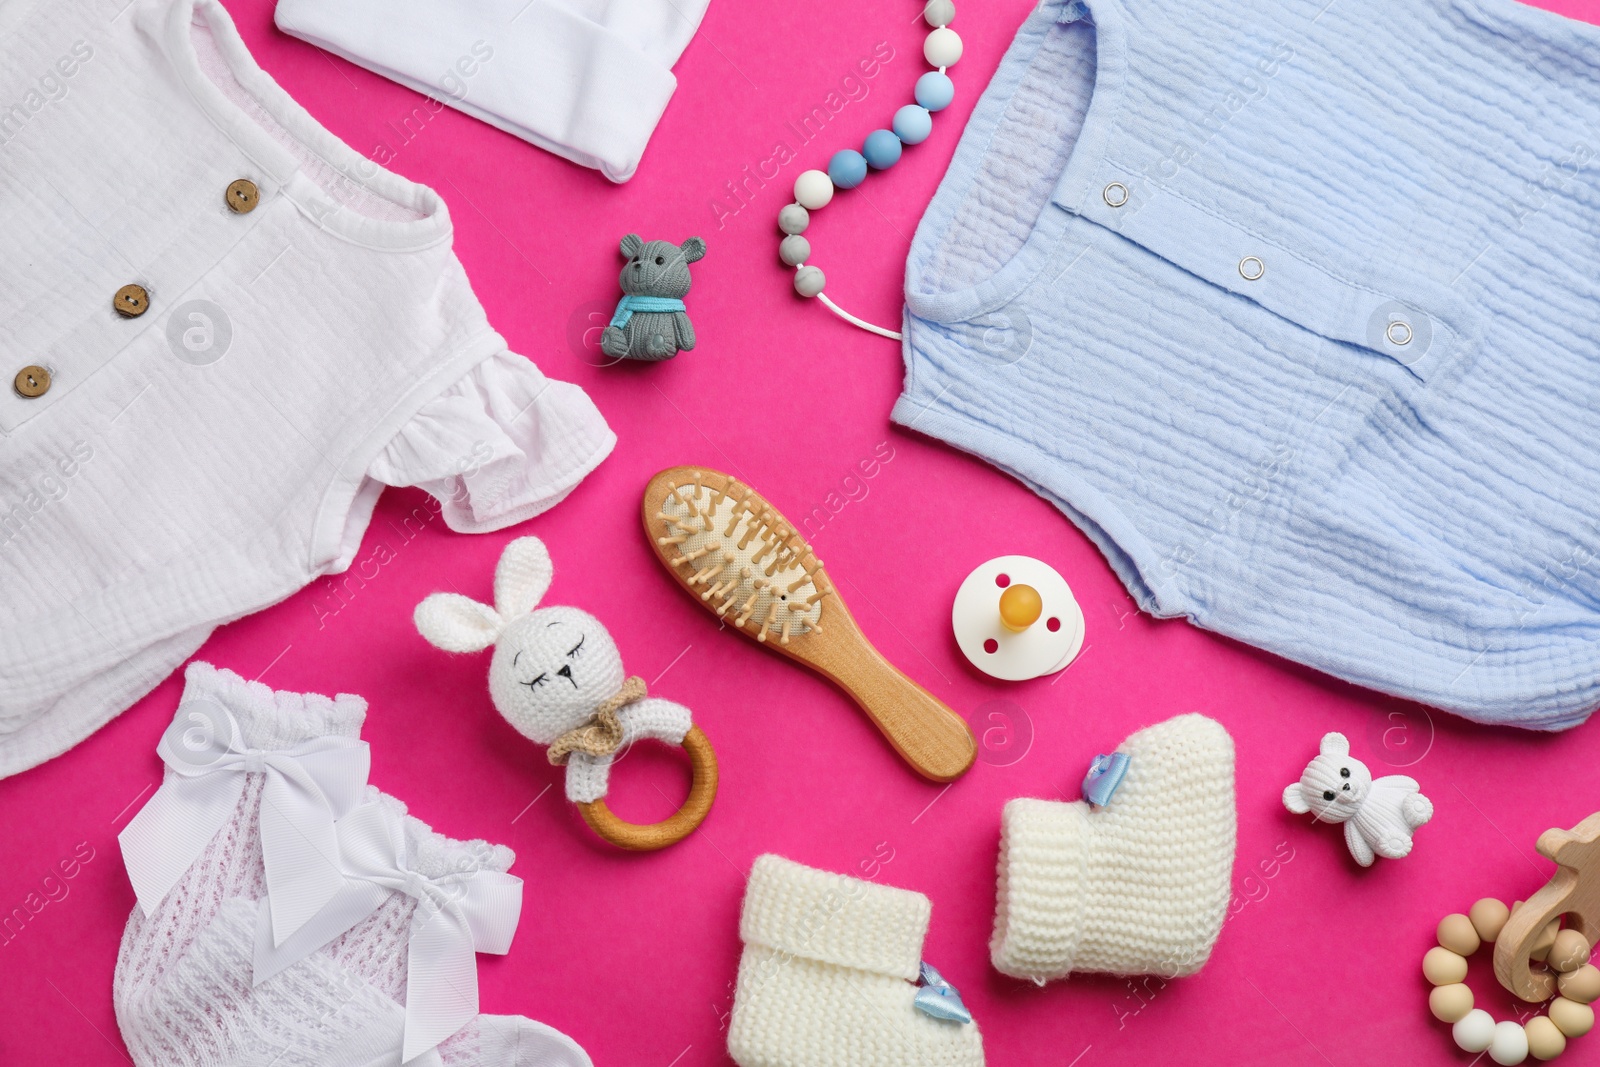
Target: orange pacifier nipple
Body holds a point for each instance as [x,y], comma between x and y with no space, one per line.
[1020,607]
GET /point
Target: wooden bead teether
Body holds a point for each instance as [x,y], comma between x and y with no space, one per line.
[1574,891]
[1475,1030]
[1535,956]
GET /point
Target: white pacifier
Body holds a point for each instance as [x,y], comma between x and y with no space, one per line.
[1015,618]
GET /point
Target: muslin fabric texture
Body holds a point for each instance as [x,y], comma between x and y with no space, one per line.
[1140,886]
[585,79]
[826,976]
[183,989]
[1277,301]
[220,451]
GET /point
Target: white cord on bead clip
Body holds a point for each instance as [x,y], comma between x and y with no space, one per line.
[813,189]
[893,335]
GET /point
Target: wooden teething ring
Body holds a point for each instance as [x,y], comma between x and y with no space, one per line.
[677,826]
[1574,891]
[1523,934]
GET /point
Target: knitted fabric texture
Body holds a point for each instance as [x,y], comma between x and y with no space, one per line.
[826,977]
[651,322]
[603,736]
[1275,300]
[588,777]
[183,990]
[1137,887]
[553,667]
[629,306]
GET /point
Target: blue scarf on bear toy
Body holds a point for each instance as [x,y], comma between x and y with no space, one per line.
[629,304]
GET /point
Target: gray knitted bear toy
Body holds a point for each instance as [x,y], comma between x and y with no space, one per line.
[650,322]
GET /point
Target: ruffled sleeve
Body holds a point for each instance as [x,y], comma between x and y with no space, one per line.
[501,445]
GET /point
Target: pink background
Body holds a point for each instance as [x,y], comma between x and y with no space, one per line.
[635,955]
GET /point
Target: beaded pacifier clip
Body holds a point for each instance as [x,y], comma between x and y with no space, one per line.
[913,123]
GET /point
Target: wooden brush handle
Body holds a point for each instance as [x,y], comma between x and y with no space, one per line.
[676,510]
[931,737]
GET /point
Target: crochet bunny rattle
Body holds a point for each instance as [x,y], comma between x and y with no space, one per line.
[557,677]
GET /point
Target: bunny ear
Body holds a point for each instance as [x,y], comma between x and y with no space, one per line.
[457,624]
[522,577]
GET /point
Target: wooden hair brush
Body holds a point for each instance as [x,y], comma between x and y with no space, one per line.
[749,566]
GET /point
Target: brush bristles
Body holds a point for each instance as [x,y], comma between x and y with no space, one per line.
[742,561]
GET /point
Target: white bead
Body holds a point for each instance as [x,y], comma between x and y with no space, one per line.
[813,189]
[939,12]
[1509,1045]
[1475,1031]
[942,48]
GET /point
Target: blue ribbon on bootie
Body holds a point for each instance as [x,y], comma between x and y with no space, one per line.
[939,998]
[630,304]
[1105,774]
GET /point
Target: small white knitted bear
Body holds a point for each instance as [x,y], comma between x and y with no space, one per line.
[1379,815]
[556,674]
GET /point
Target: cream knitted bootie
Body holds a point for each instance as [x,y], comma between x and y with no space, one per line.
[1139,886]
[826,979]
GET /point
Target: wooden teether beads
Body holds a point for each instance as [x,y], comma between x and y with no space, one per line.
[1582,985]
[1475,1030]
[1568,952]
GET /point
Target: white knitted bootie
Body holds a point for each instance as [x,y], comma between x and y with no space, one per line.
[826,979]
[1139,886]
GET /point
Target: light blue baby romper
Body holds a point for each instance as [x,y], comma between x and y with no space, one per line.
[1291,306]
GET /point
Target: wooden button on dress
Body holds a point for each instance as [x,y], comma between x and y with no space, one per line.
[32,381]
[243,196]
[131,301]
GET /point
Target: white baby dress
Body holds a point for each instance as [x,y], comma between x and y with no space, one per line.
[305,336]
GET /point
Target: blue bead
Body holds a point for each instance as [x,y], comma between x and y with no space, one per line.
[848,168]
[913,124]
[935,91]
[882,149]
